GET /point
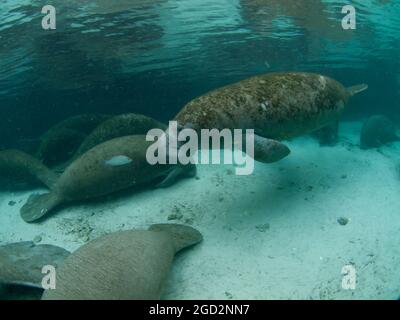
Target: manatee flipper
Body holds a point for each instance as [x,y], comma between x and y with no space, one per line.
[267,150]
[184,236]
[170,178]
[42,173]
[38,206]
[49,178]
[175,174]
[353,90]
[22,262]
[190,171]
[21,268]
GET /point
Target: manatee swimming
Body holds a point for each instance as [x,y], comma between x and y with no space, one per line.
[377,131]
[112,166]
[125,265]
[277,106]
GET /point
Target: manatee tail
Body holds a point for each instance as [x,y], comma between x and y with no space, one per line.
[38,206]
[29,166]
[357,89]
[184,236]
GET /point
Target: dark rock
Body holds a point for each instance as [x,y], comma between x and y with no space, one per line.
[343,221]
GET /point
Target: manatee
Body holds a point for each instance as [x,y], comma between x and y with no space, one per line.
[19,169]
[19,292]
[99,172]
[119,126]
[377,131]
[277,106]
[125,265]
[21,267]
[60,142]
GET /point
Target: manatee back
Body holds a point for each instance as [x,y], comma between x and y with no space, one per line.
[119,126]
[60,146]
[276,105]
[182,236]
[93,174]
[60,142]
[123,265]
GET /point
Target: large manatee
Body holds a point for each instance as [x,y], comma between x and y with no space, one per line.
[109,167]
[123,265]
[277,106]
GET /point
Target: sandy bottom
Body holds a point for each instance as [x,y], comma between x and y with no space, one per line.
[272,235]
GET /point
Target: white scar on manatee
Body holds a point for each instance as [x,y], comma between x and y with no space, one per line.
[323,82]
[118,161]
